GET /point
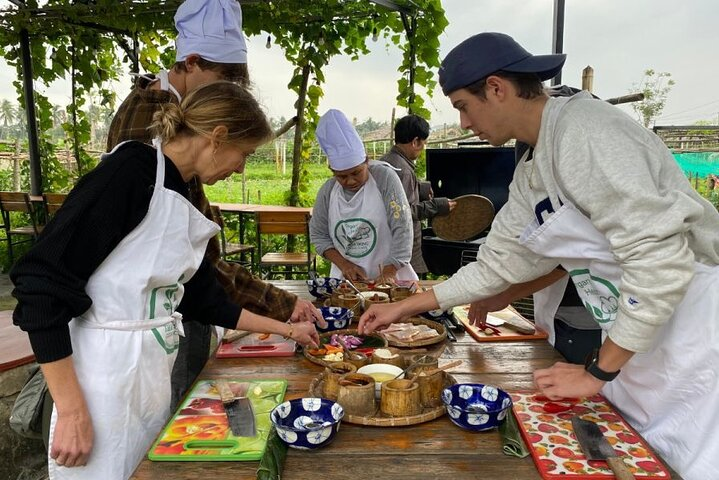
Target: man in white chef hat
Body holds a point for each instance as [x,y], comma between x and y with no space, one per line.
[210,46]
[361,221]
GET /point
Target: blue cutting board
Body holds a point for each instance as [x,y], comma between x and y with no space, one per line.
[199,430]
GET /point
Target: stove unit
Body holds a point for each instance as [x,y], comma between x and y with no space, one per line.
[453,172]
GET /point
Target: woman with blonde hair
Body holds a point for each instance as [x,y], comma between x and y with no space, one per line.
[102,292]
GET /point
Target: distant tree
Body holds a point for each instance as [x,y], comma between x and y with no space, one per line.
[369,125]
[7,115]
[655,86]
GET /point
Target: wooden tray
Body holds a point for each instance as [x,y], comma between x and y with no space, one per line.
[506,334]
[382,420]
[427,341]
[324,338]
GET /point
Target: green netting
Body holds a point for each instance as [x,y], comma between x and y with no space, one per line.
[698,163]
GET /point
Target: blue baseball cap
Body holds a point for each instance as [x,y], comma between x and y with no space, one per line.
[485,53]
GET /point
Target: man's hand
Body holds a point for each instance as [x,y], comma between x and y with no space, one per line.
[73,438]
[378,316]
[478,310]
[306,312]
[565,380]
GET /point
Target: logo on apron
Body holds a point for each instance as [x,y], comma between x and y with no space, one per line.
[166,335]
[356,236]
[600,296]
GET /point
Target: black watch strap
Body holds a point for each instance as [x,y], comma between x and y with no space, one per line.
[592,366]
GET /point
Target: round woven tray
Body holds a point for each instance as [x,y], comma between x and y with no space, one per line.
[427,341]
[382,342]
[472,215]
[382,420]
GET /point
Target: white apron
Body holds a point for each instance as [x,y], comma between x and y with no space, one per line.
[360,231]
[671,393]
[124,346]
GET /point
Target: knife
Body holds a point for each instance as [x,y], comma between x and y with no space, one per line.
[596,447]
[240,414]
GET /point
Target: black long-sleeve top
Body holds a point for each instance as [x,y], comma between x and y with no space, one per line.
[104,207]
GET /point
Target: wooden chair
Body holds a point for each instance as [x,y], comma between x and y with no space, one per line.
[18,202]
[52,203]
[229,249]
[285,263]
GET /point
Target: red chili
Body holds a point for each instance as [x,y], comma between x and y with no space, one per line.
[552,407]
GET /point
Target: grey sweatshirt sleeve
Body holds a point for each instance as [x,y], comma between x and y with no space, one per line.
[319,223]
[638,204]
[501,261]
[399,215]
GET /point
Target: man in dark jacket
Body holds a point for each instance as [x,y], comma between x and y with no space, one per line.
[410,137]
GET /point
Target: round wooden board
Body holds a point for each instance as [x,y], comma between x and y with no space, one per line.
[382,420]
[347,331]
[472,215]
[427,341]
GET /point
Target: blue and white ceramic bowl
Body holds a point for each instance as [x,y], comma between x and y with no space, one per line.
[307,423]
[337,318]
[475,406]
[321,287]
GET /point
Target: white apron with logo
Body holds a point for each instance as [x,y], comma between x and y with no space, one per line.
[125,344]
[360,231]
[670,394]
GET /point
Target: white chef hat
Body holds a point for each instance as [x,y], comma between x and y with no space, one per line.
[211,29]
[340,141]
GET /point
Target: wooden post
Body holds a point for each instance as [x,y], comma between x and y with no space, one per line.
[588,78]
[16,166]
[244,188]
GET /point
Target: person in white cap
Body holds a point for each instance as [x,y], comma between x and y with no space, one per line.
[210,46]
[602,197]
[361,220]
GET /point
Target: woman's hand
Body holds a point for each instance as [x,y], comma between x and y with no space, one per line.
[566,380]
[73,438]
[305,334]
[387,275]
[353,272]
[304,311]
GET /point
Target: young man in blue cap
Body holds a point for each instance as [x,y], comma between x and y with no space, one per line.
[410,137]
[210,46]
[602,197]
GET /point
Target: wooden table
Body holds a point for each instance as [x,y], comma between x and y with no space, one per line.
[243,210]
[432,450]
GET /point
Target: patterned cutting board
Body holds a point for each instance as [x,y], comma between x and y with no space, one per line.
[556,451]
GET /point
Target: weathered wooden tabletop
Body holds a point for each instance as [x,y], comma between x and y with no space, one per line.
[432,450]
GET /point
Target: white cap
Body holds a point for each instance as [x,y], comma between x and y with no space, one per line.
[211,29]
[340,141]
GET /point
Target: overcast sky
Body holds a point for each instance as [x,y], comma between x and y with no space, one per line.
[618,38]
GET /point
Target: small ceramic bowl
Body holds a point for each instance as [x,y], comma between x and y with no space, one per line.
[337,318]
[380,372]
[322,287]
[307,423]
[476,407]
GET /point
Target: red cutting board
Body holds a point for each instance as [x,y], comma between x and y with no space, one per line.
[556,451]
[505,334]
[254,345]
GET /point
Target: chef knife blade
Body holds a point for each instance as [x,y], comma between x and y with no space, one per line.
[596,447]
[240,415]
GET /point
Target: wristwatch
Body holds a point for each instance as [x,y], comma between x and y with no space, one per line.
[591,365]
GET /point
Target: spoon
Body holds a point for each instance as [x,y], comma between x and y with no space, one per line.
[411,366]
[442,368]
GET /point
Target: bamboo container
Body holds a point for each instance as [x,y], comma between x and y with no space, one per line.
[400,398]
[430,388]
[400,293]
[421,364]
[358,359]
[369,298]
[356,394]
[384,288]
[396,359]
[331,386]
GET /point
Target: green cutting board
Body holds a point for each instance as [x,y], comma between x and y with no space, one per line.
[199,430]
